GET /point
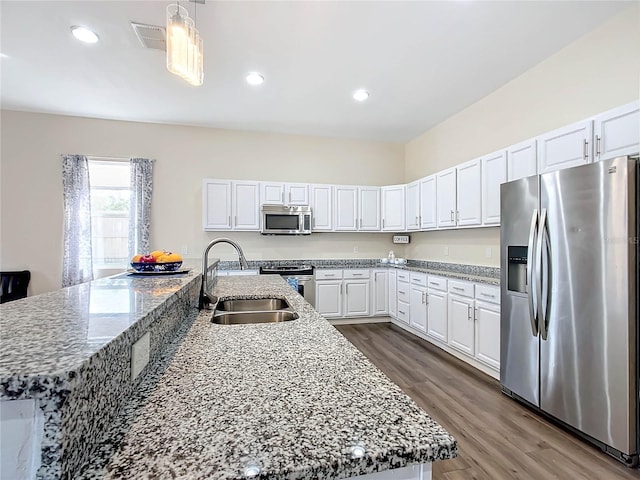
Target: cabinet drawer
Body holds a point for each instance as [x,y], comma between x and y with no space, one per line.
[403,292]
[419,279]
[403,275]
[488,293]
[356,273]
[403,312]
[437,283]
[328,274]
[464,289]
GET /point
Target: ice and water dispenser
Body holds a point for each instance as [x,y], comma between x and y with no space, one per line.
[517,269]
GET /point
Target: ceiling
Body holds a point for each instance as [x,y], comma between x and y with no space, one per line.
[421,61]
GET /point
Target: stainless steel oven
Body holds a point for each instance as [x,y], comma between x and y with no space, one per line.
[299,276]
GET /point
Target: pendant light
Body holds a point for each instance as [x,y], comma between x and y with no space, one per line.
[184,46]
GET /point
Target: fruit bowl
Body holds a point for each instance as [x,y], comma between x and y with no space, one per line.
[155,267]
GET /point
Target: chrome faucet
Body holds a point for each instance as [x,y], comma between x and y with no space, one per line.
[205,297]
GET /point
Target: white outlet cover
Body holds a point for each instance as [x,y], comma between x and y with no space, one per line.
[140,355]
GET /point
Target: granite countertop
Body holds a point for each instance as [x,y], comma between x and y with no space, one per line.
[291,399]
[53,333]
[470,273]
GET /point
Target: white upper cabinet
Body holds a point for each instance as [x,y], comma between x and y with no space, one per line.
[428,206]
[393,206]
[522,160]
[413,206]
[469,193]
[346,208]
[322,208]
[216,204]
[278,193]
[565,147]
[246,205]
[369,209]
[494,173]
[617,132]
[446,197]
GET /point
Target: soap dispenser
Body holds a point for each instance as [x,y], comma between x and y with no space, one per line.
[392,256]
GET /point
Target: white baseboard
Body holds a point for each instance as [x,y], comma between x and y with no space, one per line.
[359,320]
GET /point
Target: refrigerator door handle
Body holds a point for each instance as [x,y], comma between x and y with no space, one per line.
[542,227]
[533,236]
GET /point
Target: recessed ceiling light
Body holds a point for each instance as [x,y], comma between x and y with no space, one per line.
[84,34]
[360,95]
[254,78]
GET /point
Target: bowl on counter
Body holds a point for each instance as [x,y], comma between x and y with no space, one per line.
[401,261]
[156,267]
[384,260]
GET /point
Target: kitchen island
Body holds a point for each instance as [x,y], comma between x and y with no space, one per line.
[286,400]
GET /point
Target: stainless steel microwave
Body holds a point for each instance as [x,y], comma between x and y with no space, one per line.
[286,220]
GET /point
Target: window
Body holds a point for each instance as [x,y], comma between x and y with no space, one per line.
[110,197]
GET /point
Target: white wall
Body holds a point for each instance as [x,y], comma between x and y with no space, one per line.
[595,73]
[31,181]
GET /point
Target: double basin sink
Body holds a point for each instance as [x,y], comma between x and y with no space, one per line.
[253,310]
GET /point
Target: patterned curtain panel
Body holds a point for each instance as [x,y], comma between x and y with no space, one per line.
[77,265]
[140,205]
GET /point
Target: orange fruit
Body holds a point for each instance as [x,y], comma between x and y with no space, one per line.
[157,253]
[162,258]
[173,257]
[136,258]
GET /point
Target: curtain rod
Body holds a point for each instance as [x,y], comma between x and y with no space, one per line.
[113,159]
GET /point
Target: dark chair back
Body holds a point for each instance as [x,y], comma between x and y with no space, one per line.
[13,285]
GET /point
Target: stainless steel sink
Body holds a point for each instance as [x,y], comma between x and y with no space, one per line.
[236,318]
[252,304]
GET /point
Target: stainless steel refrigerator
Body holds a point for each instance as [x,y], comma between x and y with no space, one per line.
[569,321]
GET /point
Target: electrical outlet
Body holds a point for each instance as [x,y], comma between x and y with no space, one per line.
[446,251]
[184,250]
[356,249]
[140,355]
[487,252]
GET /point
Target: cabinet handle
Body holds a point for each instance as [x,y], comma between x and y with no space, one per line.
[469,311]
[434,283]
[357,274]
[452,215]
[400,291]
[289,197]
[383,223]
[458,289]
[424,300]
[400,311]
[330,275]
[597,154]
[282,195]
[458,215]
[235,219]
[475,317]
[229,220]
[586,150]
[487,295]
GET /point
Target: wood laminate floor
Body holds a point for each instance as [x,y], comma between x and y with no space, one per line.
[497,437]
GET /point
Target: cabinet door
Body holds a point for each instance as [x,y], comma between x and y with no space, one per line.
[296,194]
[446,197]
[393,205]
[461,324]
[437,315]
[380,293]
[413,206]
[216,204]
[469,193]
[488,334]
[617,132]
[566,147]
[522,160]
[369,209]
[393,294]
[494,173]
[246,206]
[356,298]
[418,308]
[272,193]
[428,209]
[322,207]
[346,208]
[329,298]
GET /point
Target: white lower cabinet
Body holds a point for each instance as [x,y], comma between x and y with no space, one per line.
[393,294]
[437,307]
[379,293]
[418,302]
[404,296]
[461,324]
[487,317]
[343,293]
